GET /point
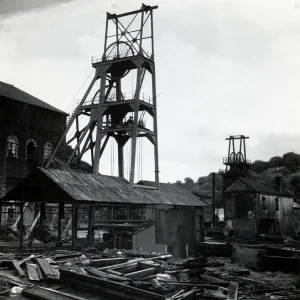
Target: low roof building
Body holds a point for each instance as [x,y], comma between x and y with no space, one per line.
[176,213]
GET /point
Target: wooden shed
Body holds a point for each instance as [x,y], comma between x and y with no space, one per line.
[111,203]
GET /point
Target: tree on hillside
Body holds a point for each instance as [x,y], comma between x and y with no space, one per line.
[259,166]
[201,180]
[276,162]
[178,182]
[291,160]
[189,182]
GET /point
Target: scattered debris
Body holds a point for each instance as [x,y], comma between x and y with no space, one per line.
[62,274]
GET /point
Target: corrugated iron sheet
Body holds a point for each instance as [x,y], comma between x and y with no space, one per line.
[101,188]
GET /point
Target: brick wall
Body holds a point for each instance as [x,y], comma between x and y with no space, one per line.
[25,122]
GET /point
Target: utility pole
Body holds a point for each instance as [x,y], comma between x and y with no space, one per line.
[214,199]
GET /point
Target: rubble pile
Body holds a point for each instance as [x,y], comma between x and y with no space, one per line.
[121,274]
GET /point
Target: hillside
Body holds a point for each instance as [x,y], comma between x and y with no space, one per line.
[203,186]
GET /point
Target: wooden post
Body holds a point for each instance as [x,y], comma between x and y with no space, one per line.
[60,216]
[42,215]
[76,220]
[232,291]
[21,226]
[214,199]
[74,225]
[120,158]
[0,215]
[91,221]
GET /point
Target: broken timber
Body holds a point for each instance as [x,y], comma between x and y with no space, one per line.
[47,294]
[32,272]
[108,261]
[108,287]
[141,273]
[46,269]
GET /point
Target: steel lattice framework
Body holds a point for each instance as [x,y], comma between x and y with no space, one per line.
[109,108]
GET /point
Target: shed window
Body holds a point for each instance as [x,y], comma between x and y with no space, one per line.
[12,147]
[120,213]
[31,150]
[276,203]
[263,203]
[138,213]
[47,151]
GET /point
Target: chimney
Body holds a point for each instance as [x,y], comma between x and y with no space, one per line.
[278,184]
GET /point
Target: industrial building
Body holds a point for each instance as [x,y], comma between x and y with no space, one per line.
[30,129]
[254,209]
[175,213]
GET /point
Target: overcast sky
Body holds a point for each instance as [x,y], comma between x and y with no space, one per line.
[223,68]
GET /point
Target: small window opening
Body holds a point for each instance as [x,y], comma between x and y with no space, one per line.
[12,147]
[47,152]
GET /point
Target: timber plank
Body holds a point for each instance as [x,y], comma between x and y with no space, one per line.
[105,275]
[32,272]
[148,264]
[46,269]
[65,256]
[98,285]
[114,272]
[108,261]
[141,273]
[18,268]
[39,293]
[11,279]
[128,269]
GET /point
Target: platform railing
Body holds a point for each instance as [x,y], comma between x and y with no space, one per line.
[232,160]
[99,58]
[113,98]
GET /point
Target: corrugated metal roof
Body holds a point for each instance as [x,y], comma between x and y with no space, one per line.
[260,187]
[10,91]
[101,188]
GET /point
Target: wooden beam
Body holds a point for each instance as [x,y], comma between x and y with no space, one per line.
[46,269]
[97,273]
[32,272]
[105,286]
[17,268]
[48,294]
[21,226]
[141,273]
[74,233]
[108,261]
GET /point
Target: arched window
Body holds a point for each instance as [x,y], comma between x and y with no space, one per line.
[12,147]
[47,151]
[31,150]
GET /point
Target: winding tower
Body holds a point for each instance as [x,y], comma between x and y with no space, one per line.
[236,162]
[110,112]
